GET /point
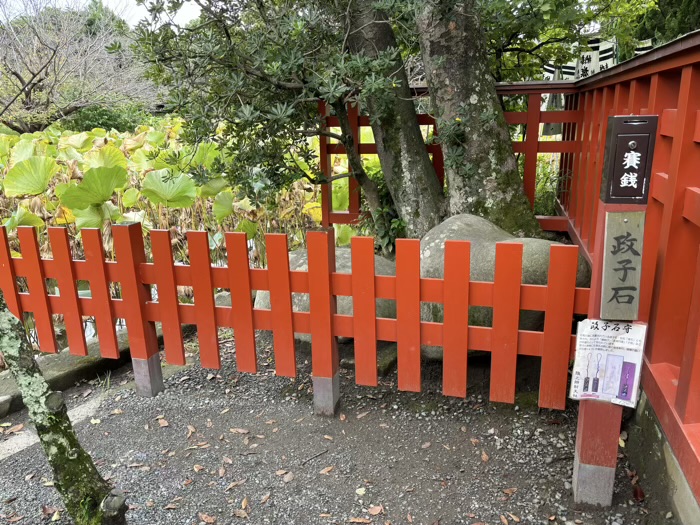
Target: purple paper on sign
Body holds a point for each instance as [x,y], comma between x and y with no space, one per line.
[626,381]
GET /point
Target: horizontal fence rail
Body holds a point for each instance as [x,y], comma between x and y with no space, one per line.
[136,305]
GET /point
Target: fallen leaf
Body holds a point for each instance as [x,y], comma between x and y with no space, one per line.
[244,503]
[56,516]
[93,421]
[638,493]
[228,460]
[187,483]
[375,509]
[363,414]
[288,477]
[503,519]
[281,472]
[15,519]
[222,472]
[426,445]
[342,417]
[265,498]
[117,412]
[171,506]
[510,491]
[329,438]
[239,431]
[474,441]
[409,517]
[512,516]
[164,423]
[552,517]
[198,468]
[15,429]
[190,430]
[359,520]
[484,456]
[361,491]
[206,518]
[240,513]
[28,476]
[234,485]
[326,470]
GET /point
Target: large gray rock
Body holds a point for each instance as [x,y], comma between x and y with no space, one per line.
[483,236]
[298,260]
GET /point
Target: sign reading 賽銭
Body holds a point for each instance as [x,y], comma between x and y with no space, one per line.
[628,152]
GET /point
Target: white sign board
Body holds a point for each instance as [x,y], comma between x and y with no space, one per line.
[608,361]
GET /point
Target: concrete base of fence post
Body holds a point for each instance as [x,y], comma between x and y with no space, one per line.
[595,456]
[148,375]
[593,484]
[326,395]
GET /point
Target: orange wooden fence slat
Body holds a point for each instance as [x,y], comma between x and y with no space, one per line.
[281,304]
[8,278]
[364,304]
[561,286]
[129,252]
[241,301]
[408,313]
[322,305]
[204,305]
[687,401]
[68,291]
[455,337]
[506,317]
[168,300]
[36,282]
[100,294]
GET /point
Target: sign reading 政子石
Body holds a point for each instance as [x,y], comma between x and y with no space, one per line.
[628,152]
[622,265]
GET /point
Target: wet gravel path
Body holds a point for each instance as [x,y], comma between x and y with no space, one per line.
[222,447]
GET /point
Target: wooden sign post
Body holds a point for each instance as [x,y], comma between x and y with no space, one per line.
[615,283]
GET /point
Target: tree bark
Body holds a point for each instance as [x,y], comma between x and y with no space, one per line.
[480,168]
[88,497]
[408,172]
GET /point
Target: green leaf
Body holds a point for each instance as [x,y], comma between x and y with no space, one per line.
[23,150]
[223,205]
[96,216]
[130,197]
[30,177]
[23,217]
[77,142]
[213,187]
[249,227]
[107,156]
[173,192]
[97,187]
[343,234]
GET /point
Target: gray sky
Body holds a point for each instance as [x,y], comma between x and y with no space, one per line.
[132,13]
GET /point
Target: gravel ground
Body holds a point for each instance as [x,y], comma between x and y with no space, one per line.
[222,447]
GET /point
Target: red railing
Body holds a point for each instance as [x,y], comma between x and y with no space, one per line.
[665,82]
[559,300]
[532,119]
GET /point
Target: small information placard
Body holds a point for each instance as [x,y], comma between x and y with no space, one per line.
[608,361]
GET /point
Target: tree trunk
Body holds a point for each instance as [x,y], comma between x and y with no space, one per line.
[87,496]
[408,172]
[480,168]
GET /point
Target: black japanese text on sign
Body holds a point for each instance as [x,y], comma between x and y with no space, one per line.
[622,265]
[628,154]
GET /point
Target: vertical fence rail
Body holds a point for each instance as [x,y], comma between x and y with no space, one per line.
[36,282]
[168,301]
[68,291]
[100,294]
[561,288]
[364,311]
[241,302]
[456,318]
[506,318]
[408,313]
[204,306]
[281,304]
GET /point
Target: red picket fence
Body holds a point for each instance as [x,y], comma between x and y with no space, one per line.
[559,300]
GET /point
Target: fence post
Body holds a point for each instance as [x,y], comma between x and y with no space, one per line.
[598,430]
[143,340]
[322,308]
